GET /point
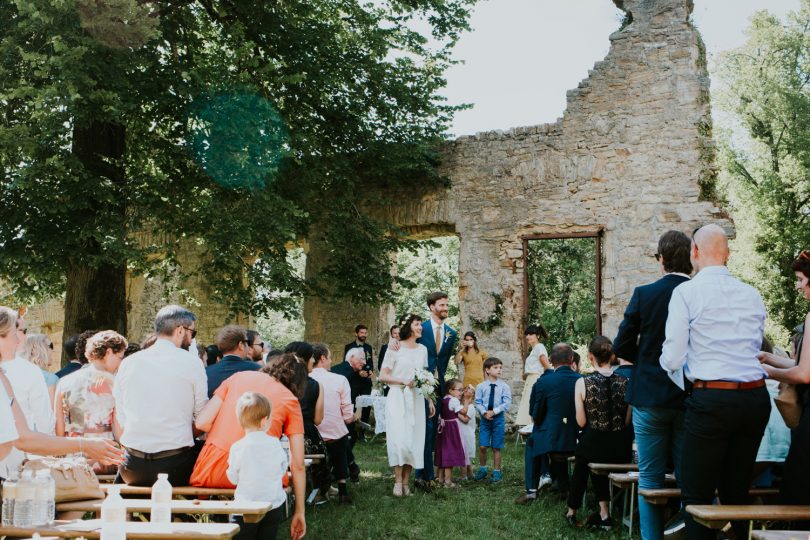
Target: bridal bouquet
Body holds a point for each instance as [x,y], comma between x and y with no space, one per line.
[425,383]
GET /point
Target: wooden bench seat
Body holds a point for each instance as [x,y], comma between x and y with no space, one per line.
[716,516]
[605,469]
[780,535]
[663,495]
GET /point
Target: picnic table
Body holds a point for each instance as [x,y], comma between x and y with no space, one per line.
[134,530]
[378,404]
[180,492]
[253,512]
[780,535]
[716,516]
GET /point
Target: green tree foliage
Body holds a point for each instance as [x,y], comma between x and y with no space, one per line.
[230,128]
[562,288]
[766,152]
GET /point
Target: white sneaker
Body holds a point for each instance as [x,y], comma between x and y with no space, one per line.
[545,481]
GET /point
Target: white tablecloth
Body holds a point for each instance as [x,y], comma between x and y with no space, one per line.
[378,402]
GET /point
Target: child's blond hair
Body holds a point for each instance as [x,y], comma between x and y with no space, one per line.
[251,409]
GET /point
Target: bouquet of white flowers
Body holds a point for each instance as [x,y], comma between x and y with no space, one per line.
[425,383]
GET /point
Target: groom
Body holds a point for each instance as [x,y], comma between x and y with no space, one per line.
[440,341]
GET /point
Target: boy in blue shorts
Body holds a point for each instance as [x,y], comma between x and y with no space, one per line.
[493,397]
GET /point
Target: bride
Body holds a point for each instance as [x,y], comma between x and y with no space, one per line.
[404,406]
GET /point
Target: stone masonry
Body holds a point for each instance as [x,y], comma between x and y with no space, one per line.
[632,156]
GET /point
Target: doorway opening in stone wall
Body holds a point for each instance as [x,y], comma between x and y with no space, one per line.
[562,285]
[432,267]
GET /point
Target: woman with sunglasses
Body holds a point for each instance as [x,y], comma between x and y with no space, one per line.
[795,488]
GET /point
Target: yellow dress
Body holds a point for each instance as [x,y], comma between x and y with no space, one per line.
[473,366]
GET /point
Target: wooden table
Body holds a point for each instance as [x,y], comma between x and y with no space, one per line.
[134,530]
[252,511]
[716,516]
[177,491]
[780,535]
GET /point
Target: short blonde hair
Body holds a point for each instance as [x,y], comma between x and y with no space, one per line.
[252,408]
[98,343]
[36,350]
[8,320]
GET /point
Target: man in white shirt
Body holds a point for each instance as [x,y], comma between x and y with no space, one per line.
[714,332]
[158,393]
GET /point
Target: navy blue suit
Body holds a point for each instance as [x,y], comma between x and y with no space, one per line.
[554,413]
[226,367]
[640,340]
[438,361]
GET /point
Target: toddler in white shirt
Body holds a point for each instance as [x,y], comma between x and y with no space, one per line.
[256,465]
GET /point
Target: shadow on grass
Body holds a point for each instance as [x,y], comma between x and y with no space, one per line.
[472,511]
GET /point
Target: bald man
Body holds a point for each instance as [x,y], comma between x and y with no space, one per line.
[713,335]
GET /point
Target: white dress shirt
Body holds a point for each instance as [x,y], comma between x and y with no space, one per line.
[8,431]
[714,329]
[158,393]
[533,364]
[31,393]
[256,465]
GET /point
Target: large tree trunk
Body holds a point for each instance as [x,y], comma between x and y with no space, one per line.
[95,298]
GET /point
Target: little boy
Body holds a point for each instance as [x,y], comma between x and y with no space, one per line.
[256,465]
[492,399]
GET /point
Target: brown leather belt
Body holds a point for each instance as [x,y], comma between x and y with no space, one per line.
[729,385]
[157,455]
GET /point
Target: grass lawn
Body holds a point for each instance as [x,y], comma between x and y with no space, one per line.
[475,510]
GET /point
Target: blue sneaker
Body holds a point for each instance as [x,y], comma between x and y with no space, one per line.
[481,473]
[497,476]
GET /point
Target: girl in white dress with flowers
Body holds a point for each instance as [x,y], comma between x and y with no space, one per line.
[404,406]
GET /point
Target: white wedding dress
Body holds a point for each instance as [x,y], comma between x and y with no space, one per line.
[405,409]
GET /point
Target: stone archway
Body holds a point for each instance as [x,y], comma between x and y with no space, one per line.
[632,156]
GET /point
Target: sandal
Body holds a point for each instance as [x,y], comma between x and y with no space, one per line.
[397,490]
[406,490]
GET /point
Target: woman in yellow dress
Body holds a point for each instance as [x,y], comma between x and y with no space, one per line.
[534,366]
[473,359]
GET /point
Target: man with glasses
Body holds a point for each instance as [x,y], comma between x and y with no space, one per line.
[158,393]
[255,349]
[235,345]
[657,402]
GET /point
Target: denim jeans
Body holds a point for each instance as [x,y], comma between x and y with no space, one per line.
[659,435]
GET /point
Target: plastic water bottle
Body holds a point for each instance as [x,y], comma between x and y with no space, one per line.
[24,503]
[162,500]
[113,515]
[50,513]
[41,495]
[9,496]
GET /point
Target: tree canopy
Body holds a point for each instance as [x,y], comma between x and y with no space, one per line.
[764,87]
[130,131]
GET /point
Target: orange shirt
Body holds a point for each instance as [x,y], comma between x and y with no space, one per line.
[286,418]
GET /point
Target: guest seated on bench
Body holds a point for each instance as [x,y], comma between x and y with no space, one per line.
[602,411]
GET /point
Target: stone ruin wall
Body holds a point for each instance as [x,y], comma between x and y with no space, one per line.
[628,157]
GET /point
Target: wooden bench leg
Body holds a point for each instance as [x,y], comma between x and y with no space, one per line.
[632,509]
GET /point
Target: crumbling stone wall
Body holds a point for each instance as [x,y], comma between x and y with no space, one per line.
[631,156]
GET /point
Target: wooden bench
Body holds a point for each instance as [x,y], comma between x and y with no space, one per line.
[605,469]
[134,530]
[253,512]
[716,516]
[627,482]
[663,495]
[780,535]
